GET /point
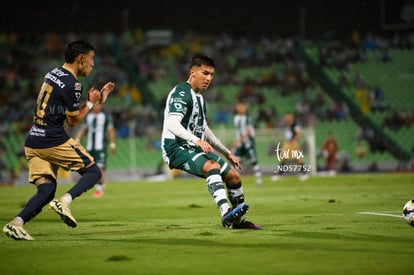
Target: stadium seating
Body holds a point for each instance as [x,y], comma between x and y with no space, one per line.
[394,78]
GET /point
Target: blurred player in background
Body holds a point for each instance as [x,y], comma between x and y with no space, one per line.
[48,147]
[188,143]
[245,139]
[329,152]
[289,153]
[99,128]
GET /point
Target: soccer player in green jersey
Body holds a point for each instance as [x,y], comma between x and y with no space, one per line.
[189,144]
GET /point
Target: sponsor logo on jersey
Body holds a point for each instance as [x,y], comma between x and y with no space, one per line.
[78,95]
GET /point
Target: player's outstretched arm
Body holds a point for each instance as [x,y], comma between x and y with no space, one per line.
[219,146]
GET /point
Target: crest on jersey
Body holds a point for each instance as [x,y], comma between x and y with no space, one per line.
[78,86]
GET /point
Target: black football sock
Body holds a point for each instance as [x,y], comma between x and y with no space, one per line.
[89,178]
[45,193]
[235,194]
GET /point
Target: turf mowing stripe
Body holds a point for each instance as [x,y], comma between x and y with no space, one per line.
[380,214]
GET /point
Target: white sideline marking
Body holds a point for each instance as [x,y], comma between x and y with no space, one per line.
[380,214]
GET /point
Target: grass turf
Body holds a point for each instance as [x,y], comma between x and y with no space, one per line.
[173,227]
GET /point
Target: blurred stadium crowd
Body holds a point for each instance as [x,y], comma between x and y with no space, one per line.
[263,70]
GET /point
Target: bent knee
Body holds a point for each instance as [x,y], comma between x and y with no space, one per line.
[210,165]
[94,169]
[232,177]
[44,179]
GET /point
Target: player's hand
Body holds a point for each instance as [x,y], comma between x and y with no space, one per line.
[94,95]
[106,90]
[234,160]
[204,145]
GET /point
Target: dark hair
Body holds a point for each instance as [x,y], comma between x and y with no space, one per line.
[199,60]
[75,48]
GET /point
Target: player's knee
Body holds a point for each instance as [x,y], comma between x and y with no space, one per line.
[48,190]
[93,171]
[210,165]
[232,177]
[44,180]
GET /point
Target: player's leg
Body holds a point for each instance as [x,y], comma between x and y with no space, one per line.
[199,164]
[331,160]
[215,184]
[72,156]
[99,187]
[43,175]
[234,187]
[235,216]
[100,160]
[252,155]
[214,168]
[235,193]
[207,167]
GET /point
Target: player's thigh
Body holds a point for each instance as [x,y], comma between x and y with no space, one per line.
[188,160]
[69,155]
[193,162]
[39,167]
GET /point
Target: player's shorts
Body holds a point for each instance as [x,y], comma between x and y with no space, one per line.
[99,156]
[45,162]
[289,149]
[246,151]
[192,161]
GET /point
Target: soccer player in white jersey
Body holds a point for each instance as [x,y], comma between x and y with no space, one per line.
[188,144]
[245,139]
[99,129]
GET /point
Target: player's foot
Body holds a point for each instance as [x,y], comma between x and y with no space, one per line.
[303,177]
[233,214]
[246,225]
[64,212]
[276,177]
[16,232]
[98,194]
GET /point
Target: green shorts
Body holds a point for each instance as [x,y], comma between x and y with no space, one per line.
[192,160]
[248,152]
[99,156]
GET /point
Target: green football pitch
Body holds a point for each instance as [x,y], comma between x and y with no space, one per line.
[348,224]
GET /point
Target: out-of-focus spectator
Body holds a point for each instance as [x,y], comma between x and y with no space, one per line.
[377,100]
[329,152]
[362,96]
[361,150]
[397,119]
[250,93]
